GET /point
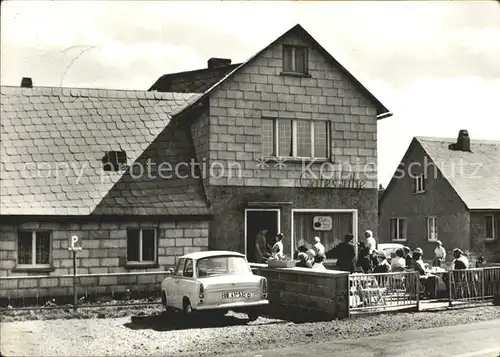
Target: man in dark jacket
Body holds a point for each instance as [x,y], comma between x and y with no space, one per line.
[345,254]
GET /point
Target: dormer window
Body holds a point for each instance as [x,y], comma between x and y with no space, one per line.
[419,184]
[114,160]
[295,59]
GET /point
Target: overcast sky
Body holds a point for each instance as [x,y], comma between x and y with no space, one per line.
[435,65]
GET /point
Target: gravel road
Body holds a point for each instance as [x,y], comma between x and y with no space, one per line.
[155,335]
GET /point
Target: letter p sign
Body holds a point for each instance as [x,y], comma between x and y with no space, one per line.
[74,244]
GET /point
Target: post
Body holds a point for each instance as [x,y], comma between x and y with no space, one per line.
[450,283]
[481,272]
[74,282]
[417,274]
[74,247]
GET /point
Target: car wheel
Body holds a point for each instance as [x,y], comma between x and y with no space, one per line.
[188,310]
[253,314]
[164,302]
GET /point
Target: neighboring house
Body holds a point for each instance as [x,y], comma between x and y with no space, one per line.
[286,141]
[447,190]
[290,105]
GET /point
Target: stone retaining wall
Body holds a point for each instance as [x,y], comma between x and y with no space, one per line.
[311,291]
[90,286]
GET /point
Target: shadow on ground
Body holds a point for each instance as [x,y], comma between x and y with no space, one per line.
[178,321]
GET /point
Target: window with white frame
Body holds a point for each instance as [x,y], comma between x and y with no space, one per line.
[431,228]
[398,229]
[419,184]
[295,138]
[295,59]
[141,245]
[489,227]
[33,248]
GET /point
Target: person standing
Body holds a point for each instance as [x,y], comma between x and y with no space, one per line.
[318,247]
[261,248]
[439,254]
[370,242]
[345,254]
[277,249]
[408,257]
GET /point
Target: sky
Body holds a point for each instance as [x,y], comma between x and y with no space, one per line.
[435,65]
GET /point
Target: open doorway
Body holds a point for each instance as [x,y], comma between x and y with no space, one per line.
[257,220]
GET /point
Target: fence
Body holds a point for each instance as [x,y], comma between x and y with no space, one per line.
[371,292]
[88,290]
[473,285]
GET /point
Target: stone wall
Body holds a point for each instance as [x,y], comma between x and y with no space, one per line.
[259,90]
[439,199]
[90,287]
[229,203]
[104,245]
[303,289]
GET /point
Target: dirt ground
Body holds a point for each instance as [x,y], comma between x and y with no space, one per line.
[156,334]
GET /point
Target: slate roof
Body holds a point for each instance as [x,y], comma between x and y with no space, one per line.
[197,81]
[475,176]
[53,140]
[382,111]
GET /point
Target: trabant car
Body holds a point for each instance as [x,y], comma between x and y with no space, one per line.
[215,281]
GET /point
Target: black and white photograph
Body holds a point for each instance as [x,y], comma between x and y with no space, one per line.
[250,178]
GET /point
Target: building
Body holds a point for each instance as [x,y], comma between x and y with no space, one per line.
[283,116]
[286,141]
[448,190]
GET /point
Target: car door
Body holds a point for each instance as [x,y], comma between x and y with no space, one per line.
[187,283]
[173,293]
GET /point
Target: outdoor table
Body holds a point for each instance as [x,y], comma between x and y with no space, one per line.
[440,288]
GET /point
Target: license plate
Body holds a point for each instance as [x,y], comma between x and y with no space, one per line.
[236,294]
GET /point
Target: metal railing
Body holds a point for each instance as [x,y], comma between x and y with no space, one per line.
[84,291]
[472,286]
[372,292]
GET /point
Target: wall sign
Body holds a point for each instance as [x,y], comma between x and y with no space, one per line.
[322,223]
[349,181]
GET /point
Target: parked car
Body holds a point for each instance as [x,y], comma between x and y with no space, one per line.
[389,248]
[215,281]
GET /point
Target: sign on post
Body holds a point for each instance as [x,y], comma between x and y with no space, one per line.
[74,244]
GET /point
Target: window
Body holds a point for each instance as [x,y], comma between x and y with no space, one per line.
[295,138]
[228,265]
[419,184]
[141,245]
[33,248]
[179,269]
[188,269]
[398,228]
[295,59]
[489,227]
[431,229]
[114,160]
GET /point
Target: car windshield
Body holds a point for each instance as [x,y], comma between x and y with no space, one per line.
[227,265]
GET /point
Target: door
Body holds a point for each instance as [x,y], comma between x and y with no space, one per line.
[256,220]
[173,292]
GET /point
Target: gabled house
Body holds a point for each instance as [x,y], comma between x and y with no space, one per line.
[286,141]
[302,132]
[445,189]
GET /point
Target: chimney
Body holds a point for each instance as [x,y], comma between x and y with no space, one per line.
[26,82]
[463,142]
[218,62]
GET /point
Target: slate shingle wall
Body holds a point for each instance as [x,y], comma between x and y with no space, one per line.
[237,107]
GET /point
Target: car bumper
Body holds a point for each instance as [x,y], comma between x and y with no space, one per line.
[232,305]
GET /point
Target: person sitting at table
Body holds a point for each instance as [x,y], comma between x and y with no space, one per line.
[318,262]
[461,261]
[310,257]
[480,261]
[303,261]
[398,263]
[383,265]
[427,279]
[408,257]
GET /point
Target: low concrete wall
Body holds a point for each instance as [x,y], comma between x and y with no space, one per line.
[324,293]
[90,286]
